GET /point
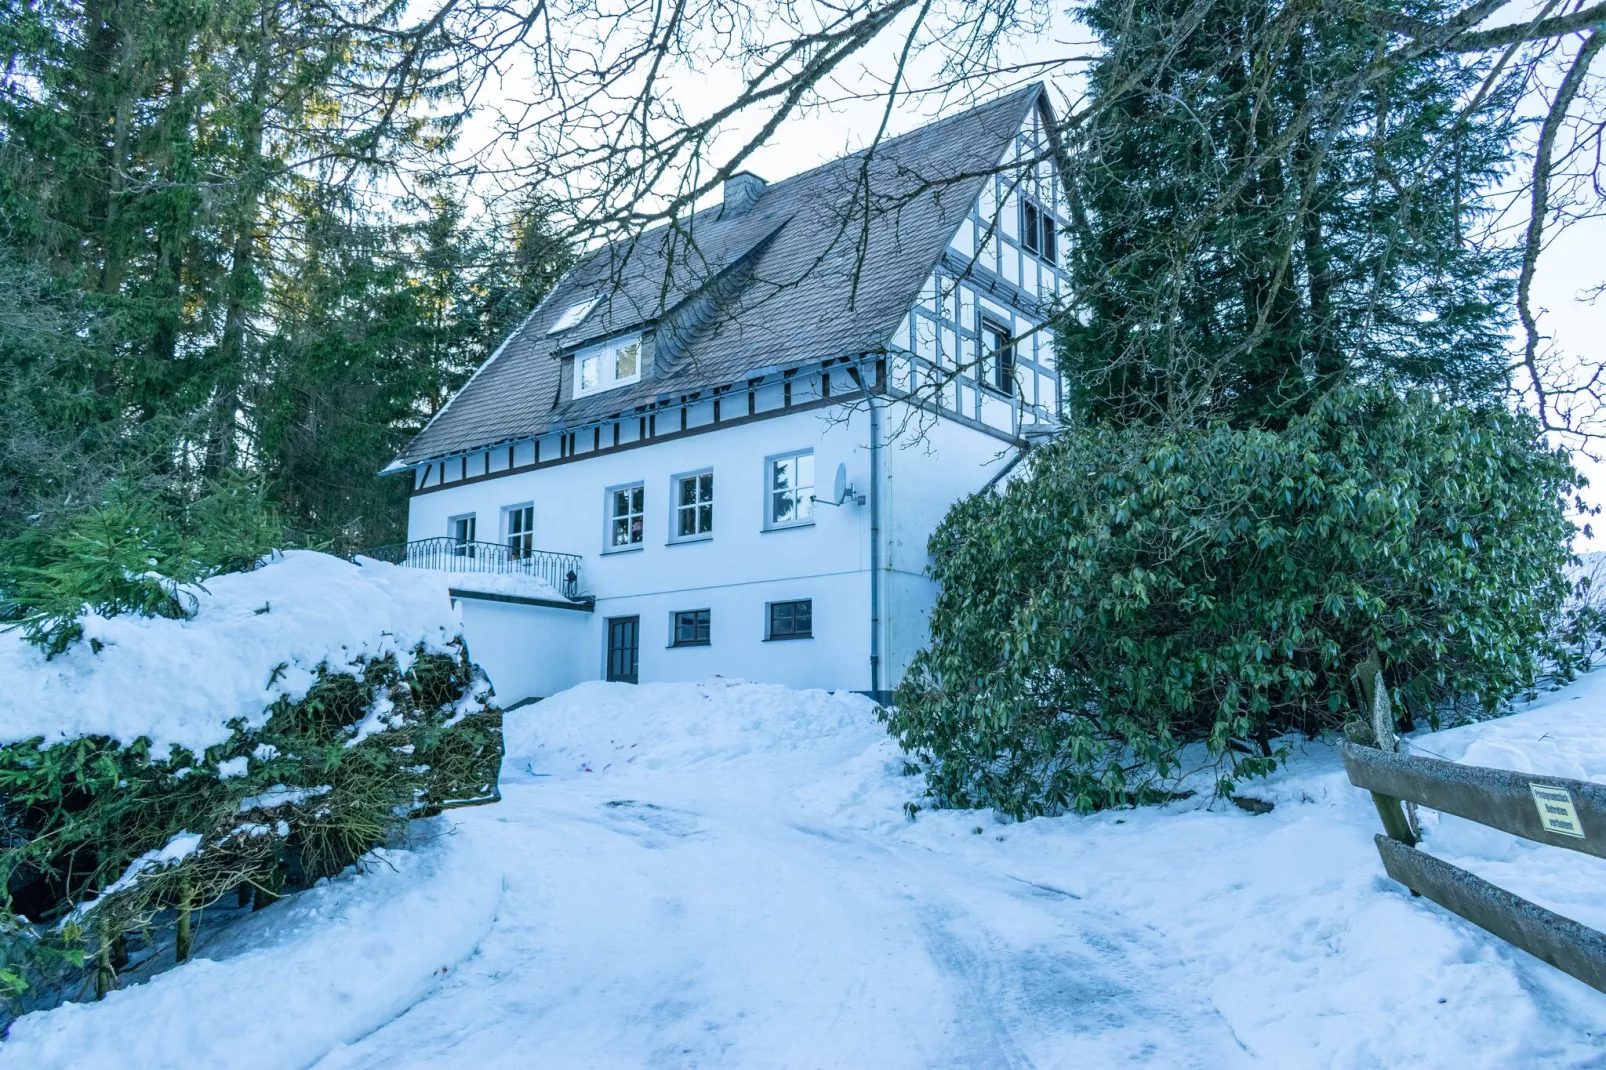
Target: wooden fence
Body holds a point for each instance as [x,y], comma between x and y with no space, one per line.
[1562,813]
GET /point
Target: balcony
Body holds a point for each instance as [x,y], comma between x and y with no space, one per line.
[494,570]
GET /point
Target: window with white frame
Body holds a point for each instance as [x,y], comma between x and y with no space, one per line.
[694,506]
[519,520]
[462,532]
[617,363]
[789,489]
[626,514]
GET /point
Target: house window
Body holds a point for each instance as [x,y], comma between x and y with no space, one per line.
[791,620]
[462,531]
[617,363]
[1037,231]
[694,505]
[789,483]
[998,358]
[626,506]
[691,628]
[520,530]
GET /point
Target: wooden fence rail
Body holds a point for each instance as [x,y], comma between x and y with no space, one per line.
[1550,810]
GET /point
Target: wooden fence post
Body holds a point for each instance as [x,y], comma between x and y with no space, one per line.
[1369,677]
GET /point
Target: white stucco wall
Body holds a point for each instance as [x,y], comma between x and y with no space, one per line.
[734,574]
[924,471]
[528,651]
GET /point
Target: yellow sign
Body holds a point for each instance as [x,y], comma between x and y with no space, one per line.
[1556,811]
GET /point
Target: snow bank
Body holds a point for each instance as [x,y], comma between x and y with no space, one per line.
[256,636]
[597,727]
[284,986]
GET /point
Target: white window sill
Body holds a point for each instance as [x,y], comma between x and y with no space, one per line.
[786,638]
[635,548]
[787,527]
[690,539]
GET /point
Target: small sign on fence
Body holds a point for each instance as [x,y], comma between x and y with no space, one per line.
[1556,811]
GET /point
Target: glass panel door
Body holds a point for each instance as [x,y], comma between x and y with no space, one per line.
[624,648]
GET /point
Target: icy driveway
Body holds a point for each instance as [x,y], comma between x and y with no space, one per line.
[719,875]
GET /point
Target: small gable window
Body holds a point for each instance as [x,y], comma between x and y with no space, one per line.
[1037,232]
[572,316]
[618,363]
[998,358]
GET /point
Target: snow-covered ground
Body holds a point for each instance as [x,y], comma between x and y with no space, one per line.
[722,875]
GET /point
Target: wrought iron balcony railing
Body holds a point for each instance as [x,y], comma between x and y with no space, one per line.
[446,554]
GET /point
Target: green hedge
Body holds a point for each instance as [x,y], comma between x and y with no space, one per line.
[320,783]
[1138,590]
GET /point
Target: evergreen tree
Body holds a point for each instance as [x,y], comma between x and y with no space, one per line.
[1266,210]
[199,200]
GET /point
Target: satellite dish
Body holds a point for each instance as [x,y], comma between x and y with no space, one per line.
[839,489]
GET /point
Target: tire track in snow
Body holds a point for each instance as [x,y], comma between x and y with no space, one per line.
[673,928]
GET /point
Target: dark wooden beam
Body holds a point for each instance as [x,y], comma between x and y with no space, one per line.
[1495,797]
[1572,948]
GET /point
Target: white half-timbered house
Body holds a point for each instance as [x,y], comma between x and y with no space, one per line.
[725,451]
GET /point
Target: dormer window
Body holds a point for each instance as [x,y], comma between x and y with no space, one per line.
[616,363]
[572,315]
[1037,231]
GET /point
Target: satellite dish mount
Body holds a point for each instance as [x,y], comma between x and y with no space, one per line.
[841,490]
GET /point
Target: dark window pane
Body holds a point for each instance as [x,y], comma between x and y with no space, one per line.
[705,518]
[706,487]
[791,620]
[1050,239]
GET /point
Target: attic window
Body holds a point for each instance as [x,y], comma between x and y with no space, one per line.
[1037,230]
[618,363]
[572,315]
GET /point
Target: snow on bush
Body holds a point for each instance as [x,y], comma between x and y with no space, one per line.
[297,720]
[255,637]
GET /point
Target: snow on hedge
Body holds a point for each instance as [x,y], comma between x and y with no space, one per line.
[255,636]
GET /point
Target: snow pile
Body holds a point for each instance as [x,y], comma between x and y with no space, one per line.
[256,636]
[598,727]
[286,985]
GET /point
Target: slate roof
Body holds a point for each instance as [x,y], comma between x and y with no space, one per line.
[773,287]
